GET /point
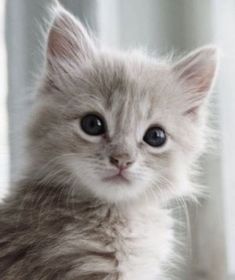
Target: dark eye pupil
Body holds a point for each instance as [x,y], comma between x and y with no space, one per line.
[155,137]
[93,125]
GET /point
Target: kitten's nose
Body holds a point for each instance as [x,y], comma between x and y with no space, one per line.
[121,161]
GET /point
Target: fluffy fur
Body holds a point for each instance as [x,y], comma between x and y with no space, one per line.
[63,221]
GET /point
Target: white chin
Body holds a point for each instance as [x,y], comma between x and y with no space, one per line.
[116,190]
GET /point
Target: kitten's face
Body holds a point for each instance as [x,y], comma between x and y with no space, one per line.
[118,125]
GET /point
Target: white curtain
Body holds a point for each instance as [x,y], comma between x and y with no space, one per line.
[224,12]
[162,26]
[3,112]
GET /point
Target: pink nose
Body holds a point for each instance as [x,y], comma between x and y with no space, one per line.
[121,161]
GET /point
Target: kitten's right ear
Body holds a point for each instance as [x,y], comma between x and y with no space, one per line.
[67,40]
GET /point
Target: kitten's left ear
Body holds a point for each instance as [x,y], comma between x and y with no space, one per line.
[197,73]
[67,40]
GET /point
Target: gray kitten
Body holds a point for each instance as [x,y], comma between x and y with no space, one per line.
[112,138]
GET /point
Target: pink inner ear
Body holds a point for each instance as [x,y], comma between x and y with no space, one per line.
[61,40]
[198,78]
[68,39]
[55,45]
[198,69]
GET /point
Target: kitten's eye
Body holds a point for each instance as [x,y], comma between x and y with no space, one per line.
[93,125]
[155,137]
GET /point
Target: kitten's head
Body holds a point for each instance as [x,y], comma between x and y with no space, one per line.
[118,125]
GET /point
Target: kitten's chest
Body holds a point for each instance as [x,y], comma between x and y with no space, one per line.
[144,245]
[132,246]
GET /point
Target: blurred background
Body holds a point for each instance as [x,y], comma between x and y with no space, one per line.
[161,26]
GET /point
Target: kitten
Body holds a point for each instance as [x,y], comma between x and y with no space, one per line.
[111,140]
